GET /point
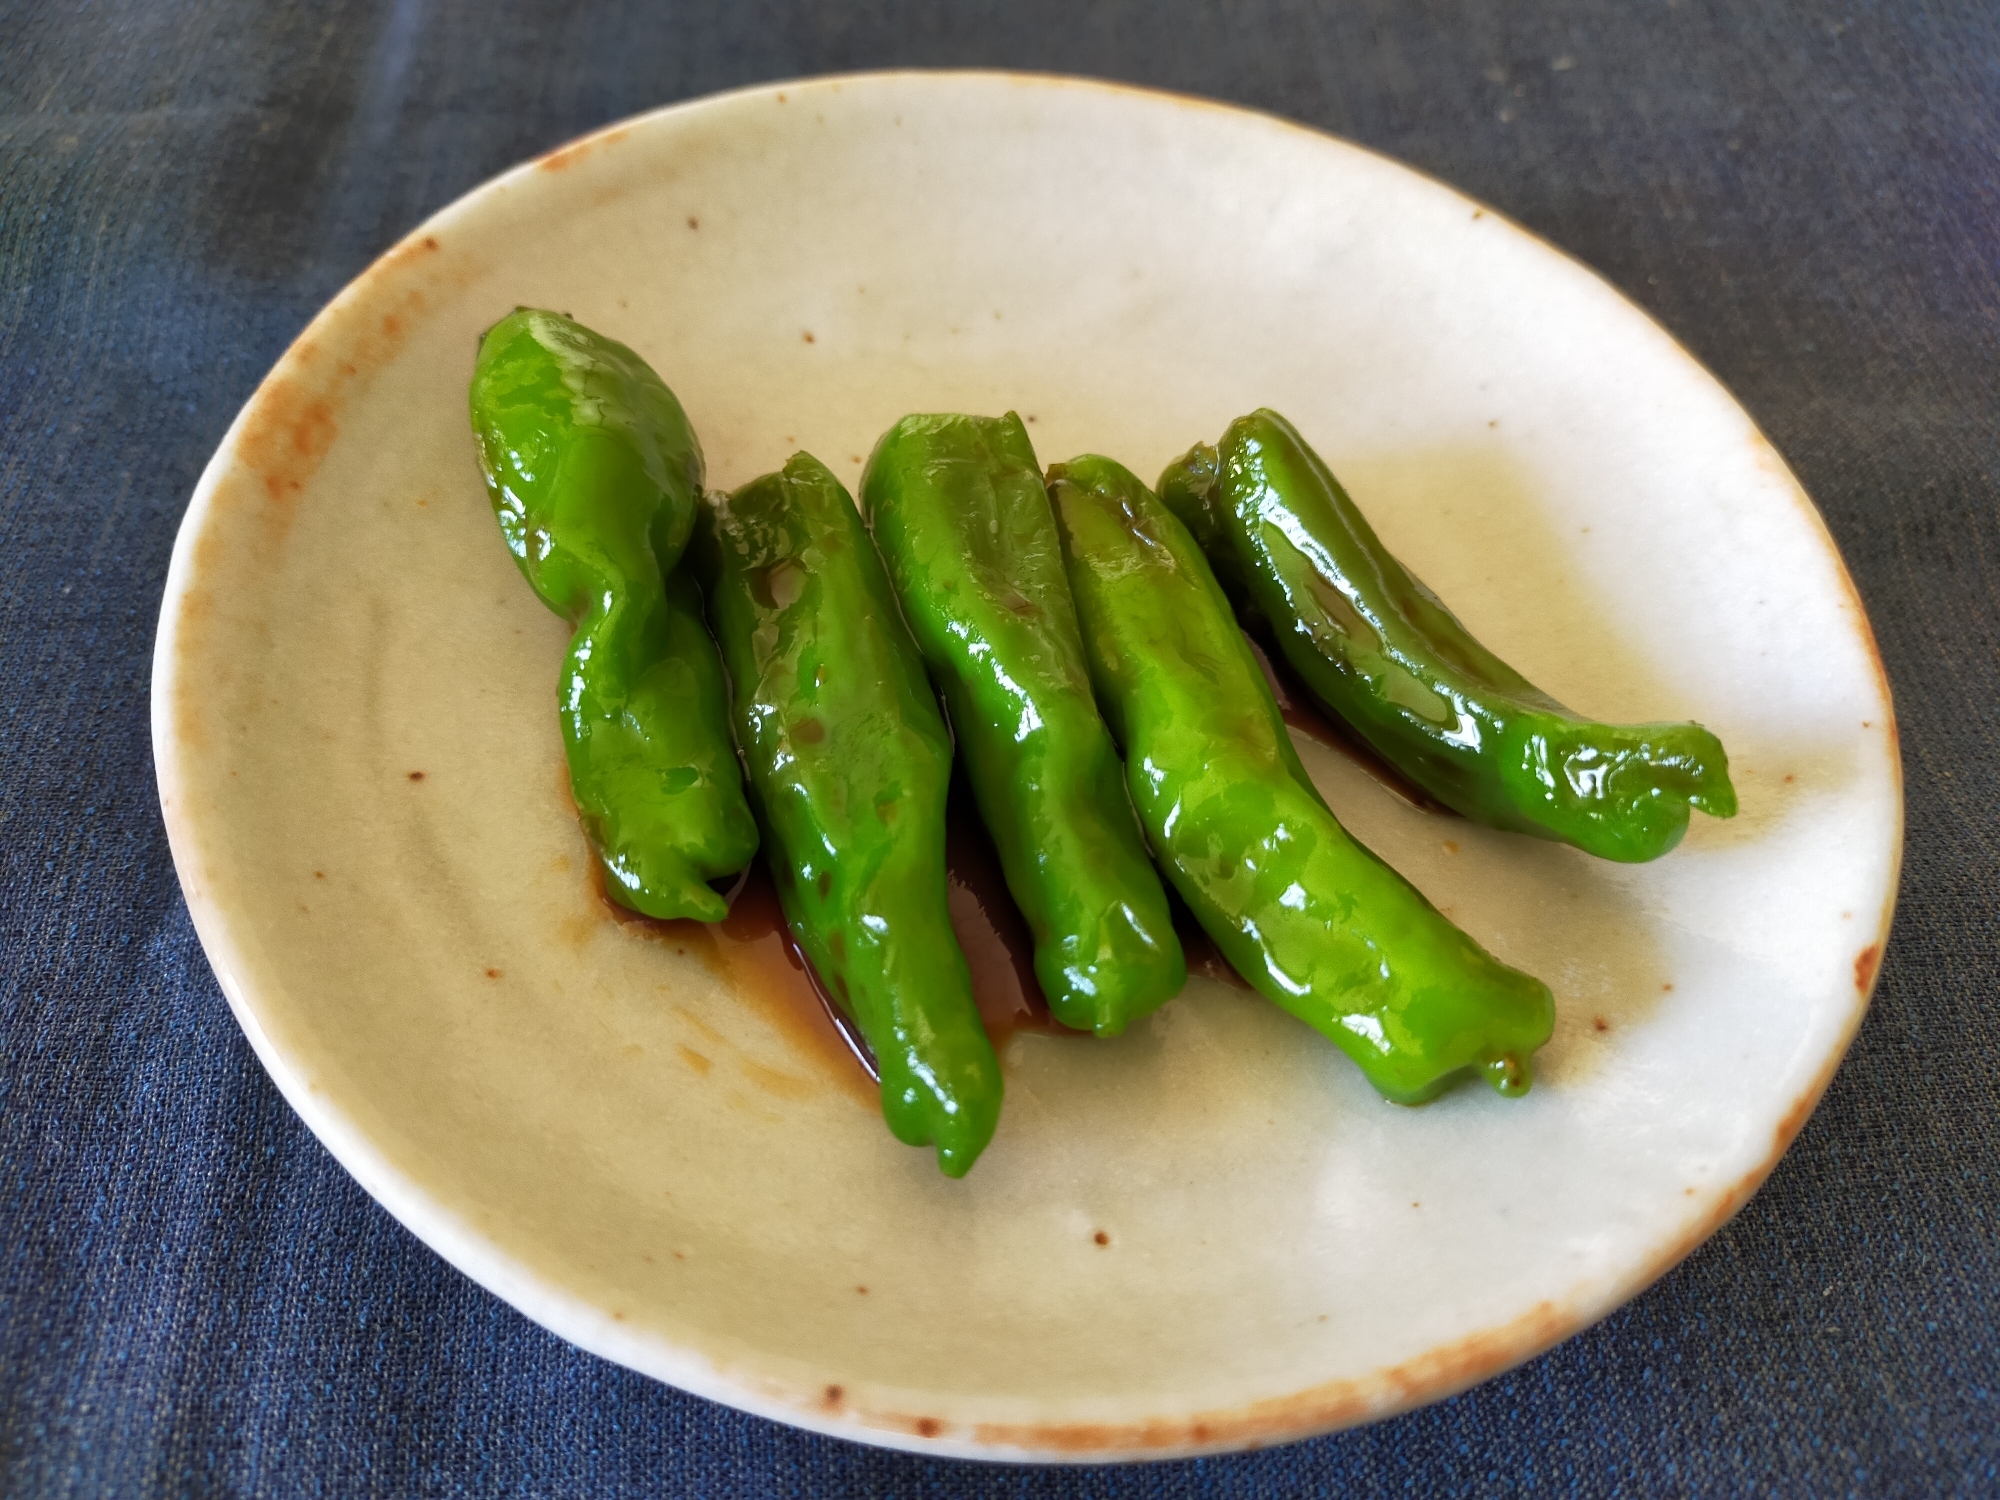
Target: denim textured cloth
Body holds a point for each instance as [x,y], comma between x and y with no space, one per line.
[194,1299]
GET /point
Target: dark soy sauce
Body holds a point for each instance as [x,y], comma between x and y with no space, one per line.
[999,951]
[754,951]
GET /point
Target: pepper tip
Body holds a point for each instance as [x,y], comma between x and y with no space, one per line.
[1511,1075]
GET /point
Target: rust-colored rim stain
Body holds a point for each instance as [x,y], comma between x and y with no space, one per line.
[568,155]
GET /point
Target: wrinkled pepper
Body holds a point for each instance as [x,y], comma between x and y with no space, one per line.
[594,474]
[1313,920]
[964,527]
[849,764]
[1380,650]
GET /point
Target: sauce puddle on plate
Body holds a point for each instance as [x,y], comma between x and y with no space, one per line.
[754,951]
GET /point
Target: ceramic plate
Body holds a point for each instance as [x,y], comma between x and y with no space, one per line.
[1208,1234]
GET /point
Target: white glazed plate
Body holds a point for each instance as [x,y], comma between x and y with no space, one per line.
[1208,1234]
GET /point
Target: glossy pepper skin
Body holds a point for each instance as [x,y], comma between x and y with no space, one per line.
[1317,923]
[1381,651]
[849,765]
[594,474]
[964,526]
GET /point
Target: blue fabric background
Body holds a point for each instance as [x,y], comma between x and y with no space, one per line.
[195,1300]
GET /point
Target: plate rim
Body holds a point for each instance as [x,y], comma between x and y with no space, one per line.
[1350,1401]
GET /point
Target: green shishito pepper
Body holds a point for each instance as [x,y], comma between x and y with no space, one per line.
[1317,923]
[594,474]
[963,522]
[850,765]
[1381,651]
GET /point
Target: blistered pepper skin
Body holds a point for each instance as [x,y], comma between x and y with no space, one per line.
[1380,650]
[1313,920]
[849,764]
[964,526]
[593,472]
